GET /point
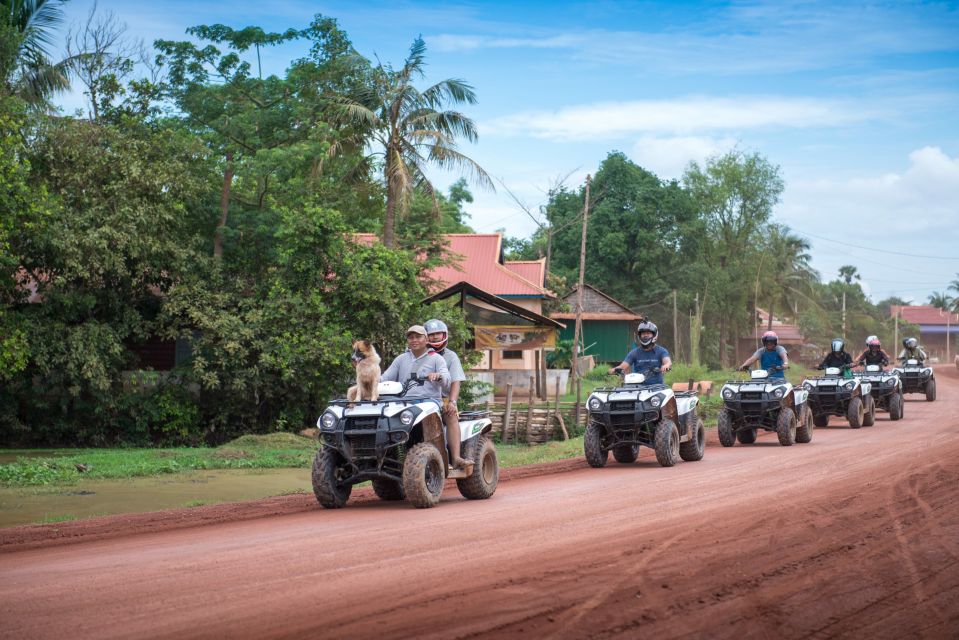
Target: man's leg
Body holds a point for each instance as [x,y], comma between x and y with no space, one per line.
[452,420]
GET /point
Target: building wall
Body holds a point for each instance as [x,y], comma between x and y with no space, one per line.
[595,303]
[934,344]
[610,339]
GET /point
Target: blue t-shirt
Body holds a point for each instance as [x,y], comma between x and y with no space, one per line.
[642,361]
[774,358]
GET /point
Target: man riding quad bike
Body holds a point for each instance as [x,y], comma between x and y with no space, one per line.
[839,393]
[399,443]
[885,386]
[633,414]
[764,402]
[915,376]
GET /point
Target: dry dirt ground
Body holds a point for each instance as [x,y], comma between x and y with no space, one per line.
[853,535]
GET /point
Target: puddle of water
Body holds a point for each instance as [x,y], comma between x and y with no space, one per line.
[107,497]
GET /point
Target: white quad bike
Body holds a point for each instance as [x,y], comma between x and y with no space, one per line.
[761,402]
[399,444]
[885,388]
[917,378]
[835,395]
[621,419]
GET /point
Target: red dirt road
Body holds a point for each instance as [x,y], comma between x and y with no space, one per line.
[853,535]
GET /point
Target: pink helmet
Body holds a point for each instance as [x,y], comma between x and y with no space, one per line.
[770,336]
[873,341]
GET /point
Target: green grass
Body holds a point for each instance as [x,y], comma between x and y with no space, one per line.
[274,451]
[515,455]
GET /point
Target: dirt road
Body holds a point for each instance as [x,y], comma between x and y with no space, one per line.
[853,535]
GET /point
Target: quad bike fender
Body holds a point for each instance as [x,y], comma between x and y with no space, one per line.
[472,428]
[797,397]
[670,410]
[433,433]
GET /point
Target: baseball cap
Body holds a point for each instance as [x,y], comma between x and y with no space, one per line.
[416,328]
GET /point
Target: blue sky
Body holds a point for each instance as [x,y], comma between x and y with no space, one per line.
[858,104]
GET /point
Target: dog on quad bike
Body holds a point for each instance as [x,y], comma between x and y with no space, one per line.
[367,363]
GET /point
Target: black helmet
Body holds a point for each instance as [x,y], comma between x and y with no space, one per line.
[646,325]
[770,337]
[837,345]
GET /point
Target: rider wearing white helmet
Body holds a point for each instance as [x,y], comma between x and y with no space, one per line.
[648,355]
[911,349]
[873,353]
[439,336]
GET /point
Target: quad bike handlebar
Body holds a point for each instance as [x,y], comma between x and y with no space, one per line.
[616,371]
[778,367]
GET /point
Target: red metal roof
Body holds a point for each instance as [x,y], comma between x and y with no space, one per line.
[787,333]
[531,270]
[477,261]
[924,314]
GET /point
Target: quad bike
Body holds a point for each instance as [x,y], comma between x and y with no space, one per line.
[886,389]
[837,395]
[917,378]
[622,418]
[399,444]
[761,402]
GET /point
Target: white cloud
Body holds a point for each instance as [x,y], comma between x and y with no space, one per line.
[680,116]
[667,157]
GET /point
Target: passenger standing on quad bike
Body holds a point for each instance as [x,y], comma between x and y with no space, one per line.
[419,362]
[438,336]
[873,353]
[648,358]
[837,357]
[771,356]
[911,349]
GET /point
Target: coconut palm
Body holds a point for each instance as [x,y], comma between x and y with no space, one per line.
[940,300]
[954,286]
[412,129]
[788,274]
[26,28]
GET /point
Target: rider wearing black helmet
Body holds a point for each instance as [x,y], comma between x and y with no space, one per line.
[837,357]
[648,355]
[911,349]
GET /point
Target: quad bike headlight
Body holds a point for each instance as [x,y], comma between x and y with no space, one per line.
[595,404]
[778,392]
[727,394]
[327,421]
[807,386]
[890,382]
[656,400]
[849,385]
[406,418]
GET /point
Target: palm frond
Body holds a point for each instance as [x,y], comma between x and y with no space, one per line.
[450,90]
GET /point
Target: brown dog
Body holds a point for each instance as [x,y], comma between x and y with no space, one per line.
[367,363]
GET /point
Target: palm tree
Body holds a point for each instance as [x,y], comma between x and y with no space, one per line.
[954,286]
[25,68]
[848,273]
[940,300]
[413,129]
[789,275]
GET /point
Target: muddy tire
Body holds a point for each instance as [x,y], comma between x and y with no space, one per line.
[329,493]
[724,425]
[694,449]
[667,443]
[596,456]
[869,415]
[423,476]
[931,390]
[747,436]
[786,427]
[895,407]
[805,426]
[481,484]
[855,412]
[389,490]
[821,420]
[626,453]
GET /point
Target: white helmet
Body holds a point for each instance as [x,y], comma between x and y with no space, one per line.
[437,326]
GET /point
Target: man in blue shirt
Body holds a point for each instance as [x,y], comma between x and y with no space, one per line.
[647,356]
[769,355]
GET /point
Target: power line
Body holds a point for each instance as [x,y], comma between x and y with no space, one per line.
[896,253]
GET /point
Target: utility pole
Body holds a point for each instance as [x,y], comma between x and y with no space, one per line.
[578,332]
[844,314]
[675,329]
[896,334]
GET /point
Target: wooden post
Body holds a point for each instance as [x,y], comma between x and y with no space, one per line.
[509,409]
[529,409]
[679,358]
[558,414]
[543,391]
[578,332]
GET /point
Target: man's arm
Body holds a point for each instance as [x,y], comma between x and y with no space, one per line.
[624,365]
[393,371]
[785,356]
[751,359]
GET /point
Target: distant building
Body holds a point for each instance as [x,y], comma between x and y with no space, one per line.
[938,329]
[609,326]
[790,337]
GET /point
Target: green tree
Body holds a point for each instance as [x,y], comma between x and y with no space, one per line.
[26,33]
[784,274]
[848,273]
[940,300]
[954,286]
[413,129]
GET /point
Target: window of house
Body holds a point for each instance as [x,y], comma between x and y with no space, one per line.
[512,355]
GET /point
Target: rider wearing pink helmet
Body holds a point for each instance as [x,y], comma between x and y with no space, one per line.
[873,353]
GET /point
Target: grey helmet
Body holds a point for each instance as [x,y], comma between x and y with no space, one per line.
[646,325]
[910,343]
[437,326]
[837,345]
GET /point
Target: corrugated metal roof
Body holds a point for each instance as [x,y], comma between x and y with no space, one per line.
[477,261]
[597,316]
[531,270]
[924,314]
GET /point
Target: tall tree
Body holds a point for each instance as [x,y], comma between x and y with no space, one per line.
[848,273]
[413,129]
[787,274]
[954,286]
[26,32]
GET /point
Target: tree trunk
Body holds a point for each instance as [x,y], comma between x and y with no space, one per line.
[769,325]
[392,196]
[722,341]
[224,206]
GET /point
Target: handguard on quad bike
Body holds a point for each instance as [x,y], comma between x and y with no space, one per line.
[636,378]
[758,374]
